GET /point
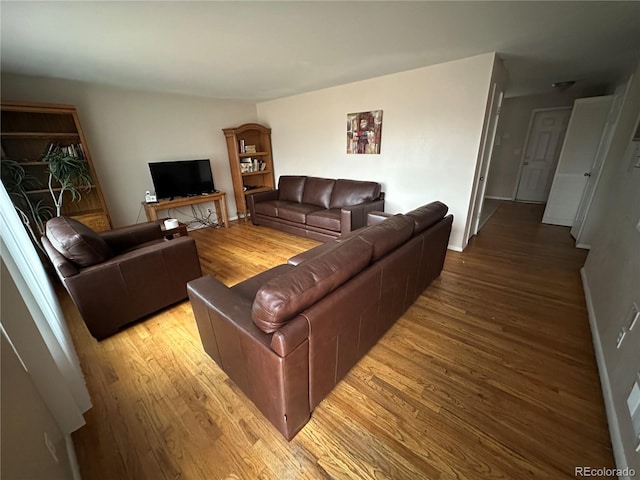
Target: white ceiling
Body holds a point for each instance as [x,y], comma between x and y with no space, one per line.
[262,50]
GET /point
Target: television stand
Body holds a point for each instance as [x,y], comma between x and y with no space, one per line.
[218,199]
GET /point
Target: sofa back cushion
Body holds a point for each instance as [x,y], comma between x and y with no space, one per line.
[282,298]
[76,242]
[317,191]
[290,188]
[427,215]
[353,192]
[387,235]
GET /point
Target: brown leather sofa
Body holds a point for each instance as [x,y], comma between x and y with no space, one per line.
[288,335]
[122,275]
[318,208]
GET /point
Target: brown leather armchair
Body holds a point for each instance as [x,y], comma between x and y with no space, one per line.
[122,275]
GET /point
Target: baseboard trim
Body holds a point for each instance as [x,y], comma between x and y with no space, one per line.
[454,248]
[73,461]
[612,416]
[584,246]
[560,221]
[491,197]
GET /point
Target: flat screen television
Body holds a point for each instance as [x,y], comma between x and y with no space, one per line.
[182,178]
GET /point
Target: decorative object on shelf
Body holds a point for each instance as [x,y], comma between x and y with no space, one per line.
[251,162]
[364,132]
[70,171]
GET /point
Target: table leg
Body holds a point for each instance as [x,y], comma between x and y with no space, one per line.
[225,217]
[150,212]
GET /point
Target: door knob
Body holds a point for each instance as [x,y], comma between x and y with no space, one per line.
[587,174]
[482,179]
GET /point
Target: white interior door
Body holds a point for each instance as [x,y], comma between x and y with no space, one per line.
[581,142]
[487,150]
[546,133]
[592,175]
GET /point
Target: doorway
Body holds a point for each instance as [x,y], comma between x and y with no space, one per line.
[497,95]
[584,238]
[542,149]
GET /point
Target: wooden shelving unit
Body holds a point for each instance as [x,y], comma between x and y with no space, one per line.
[257,178]
[27,130]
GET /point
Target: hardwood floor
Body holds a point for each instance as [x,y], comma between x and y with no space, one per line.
[490,374]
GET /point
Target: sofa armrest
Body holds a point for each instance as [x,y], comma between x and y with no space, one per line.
[278,386]
[235,308]
[219,310]
[134,284]
[260,197]
[64,268]
[355,216]
[375,217]
[121,239]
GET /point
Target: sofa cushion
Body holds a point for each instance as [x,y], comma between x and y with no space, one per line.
[353,192]
[427,215]
[317,191]
[328,219]
[296,212]
[77,242]
[249,287]
[290,188]
[282,298]
[270,207]
[387,235]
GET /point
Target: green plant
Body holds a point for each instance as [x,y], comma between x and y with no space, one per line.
[17,182]
[71,173]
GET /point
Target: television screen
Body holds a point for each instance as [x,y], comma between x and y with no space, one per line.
[181,178]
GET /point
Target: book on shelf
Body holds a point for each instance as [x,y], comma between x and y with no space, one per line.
[241,146]
[250,165]
[52,147]
[72,150]
[250,149]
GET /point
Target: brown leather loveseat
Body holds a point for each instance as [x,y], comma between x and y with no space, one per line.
[318,208]
[122,275]
[288,335]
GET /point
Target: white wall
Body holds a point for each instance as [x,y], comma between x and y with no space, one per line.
[432,125]
[612,277]
[511,135]
[126,129]
[25,416]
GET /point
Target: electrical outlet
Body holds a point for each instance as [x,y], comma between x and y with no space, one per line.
[50,447]
[633,404]
[621,335]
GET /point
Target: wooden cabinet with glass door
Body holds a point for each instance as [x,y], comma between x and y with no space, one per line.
[29,132]
[251,162]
